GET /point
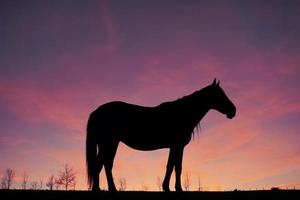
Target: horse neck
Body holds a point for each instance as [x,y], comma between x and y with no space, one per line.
[196,104]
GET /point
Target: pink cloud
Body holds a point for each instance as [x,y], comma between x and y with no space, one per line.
[35,105]
[109,22]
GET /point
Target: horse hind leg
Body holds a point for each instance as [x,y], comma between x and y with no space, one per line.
[109,154]
[98,168]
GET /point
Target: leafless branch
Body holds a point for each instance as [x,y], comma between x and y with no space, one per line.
[7,179]
[50,183]
[24,181]
[122,184]
[187,182]
[66,178]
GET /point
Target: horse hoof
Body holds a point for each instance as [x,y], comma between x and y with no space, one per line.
[179,189]
[112,189]
[166,189]
[96,189]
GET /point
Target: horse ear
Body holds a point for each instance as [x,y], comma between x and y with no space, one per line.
[218,83]
[214,83]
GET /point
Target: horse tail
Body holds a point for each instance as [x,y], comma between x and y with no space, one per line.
[91,150]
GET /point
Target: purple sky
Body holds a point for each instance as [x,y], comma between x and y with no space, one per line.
[59,60]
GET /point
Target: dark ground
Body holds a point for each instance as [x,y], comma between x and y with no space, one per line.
[78,195]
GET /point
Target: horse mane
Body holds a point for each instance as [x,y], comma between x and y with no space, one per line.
[184,98]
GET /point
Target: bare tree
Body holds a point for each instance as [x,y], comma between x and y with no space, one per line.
[122,184]
[3,182]
[73,186]
[56,184]
[41,184]
[7,179]
[67,177]
[144,187]
[50,183]
[187,182]
[199,184]
[10,176]
[159,183]
[34,185]
[24,181]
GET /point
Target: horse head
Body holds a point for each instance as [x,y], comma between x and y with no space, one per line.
[219,100]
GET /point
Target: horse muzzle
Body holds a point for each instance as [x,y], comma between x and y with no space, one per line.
[231,114]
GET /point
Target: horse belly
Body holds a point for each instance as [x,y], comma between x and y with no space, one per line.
[145,145]
[145,139]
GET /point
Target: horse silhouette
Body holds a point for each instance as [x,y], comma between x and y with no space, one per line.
[168,125]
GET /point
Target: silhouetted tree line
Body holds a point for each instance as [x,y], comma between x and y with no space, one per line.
[66,179]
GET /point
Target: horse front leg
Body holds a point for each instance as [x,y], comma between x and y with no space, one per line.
[169,170]
[178,168]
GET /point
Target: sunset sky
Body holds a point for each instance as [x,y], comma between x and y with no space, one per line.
[60,60]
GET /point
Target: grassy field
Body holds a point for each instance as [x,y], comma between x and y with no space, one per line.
[78,195]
